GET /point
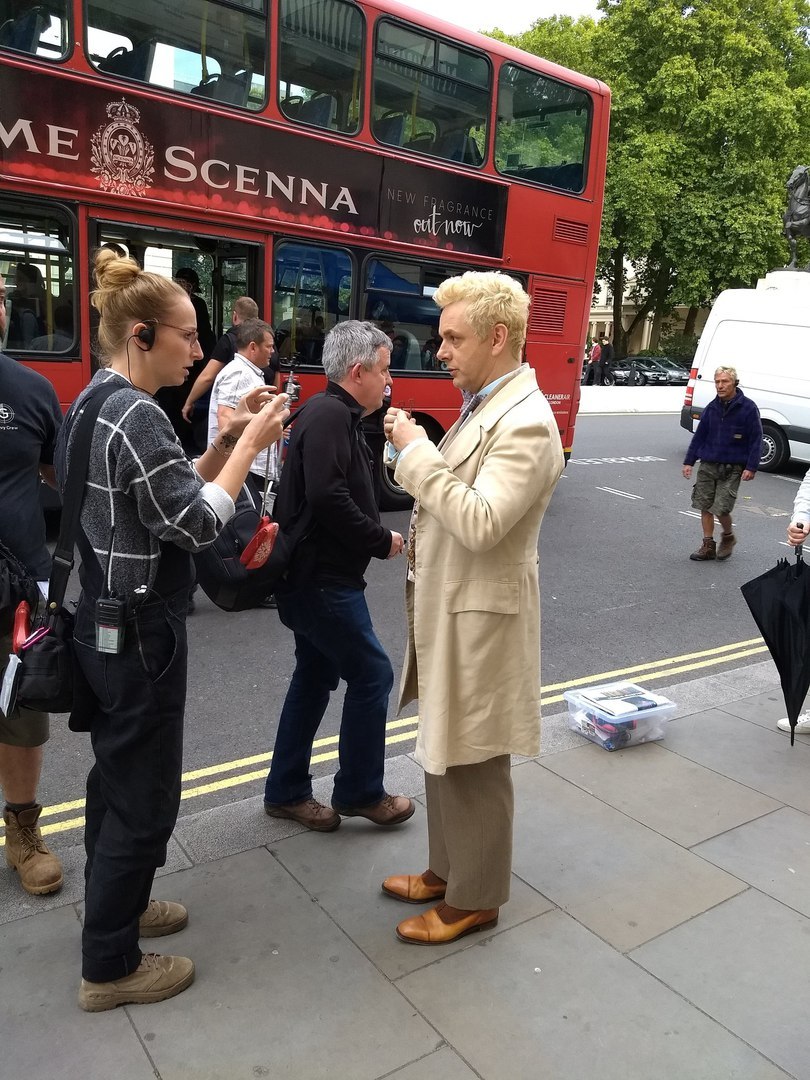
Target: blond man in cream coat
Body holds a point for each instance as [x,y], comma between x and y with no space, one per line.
[473,602]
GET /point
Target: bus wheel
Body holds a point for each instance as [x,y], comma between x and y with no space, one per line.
[775,450]
[392,496]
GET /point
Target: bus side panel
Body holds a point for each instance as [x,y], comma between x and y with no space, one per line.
[554,347]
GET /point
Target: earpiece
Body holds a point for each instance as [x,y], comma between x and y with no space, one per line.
[147,335]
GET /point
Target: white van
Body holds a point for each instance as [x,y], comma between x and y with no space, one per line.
[765,334]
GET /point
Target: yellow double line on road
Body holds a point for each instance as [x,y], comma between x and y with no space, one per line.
[404,731]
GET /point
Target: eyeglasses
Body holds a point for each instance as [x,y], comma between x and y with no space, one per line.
[191,336]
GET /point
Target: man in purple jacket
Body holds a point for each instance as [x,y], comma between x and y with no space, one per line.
[728,442]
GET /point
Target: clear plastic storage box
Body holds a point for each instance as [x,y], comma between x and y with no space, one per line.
[618,714]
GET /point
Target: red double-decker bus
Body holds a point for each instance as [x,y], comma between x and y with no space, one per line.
[332,159]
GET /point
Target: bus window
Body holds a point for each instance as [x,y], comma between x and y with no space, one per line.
[430,96]
[398,297]
[215,51]
[312,292]
[542,132]
[38,29]
[36,261]
[320,63]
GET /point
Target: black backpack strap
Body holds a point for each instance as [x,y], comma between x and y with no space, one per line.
[85,420]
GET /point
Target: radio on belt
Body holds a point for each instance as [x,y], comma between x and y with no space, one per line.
[110,614]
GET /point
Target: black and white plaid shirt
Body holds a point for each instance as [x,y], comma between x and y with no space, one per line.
[140,480]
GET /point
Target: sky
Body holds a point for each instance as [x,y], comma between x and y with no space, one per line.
[511,16]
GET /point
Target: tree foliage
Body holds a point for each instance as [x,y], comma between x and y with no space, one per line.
[710,113]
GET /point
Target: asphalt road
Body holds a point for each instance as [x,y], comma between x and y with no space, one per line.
[618,592]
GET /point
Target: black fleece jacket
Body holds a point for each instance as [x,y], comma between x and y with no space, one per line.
[329,475]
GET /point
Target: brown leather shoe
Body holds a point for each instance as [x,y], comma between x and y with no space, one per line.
[310,813]
[706,551]
[412,889]
[390,810]
[429,929]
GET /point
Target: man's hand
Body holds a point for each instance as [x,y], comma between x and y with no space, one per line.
[266,426]
[400,429]
[797,533]
[397,545]
[249,406]
[687,472]
[187,410]
[748,475]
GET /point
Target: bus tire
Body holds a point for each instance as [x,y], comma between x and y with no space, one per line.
[775,449]
[392,496]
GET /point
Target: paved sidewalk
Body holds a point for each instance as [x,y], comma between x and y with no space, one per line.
[659,929]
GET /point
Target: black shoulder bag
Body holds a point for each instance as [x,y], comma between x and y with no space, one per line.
[45,680]
[16,586]
[224,569]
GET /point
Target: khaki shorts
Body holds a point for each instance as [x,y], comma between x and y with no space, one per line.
[24,727]
[716,487]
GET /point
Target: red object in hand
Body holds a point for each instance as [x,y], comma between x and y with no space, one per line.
[258,550]
[22,625]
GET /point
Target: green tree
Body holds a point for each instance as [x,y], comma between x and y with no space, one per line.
[711,111]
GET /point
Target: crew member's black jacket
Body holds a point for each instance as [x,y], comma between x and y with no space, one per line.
[329,474]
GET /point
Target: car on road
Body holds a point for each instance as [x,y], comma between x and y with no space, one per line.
[676,374]
[637,371]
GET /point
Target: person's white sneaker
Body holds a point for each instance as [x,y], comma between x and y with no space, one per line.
[802,724]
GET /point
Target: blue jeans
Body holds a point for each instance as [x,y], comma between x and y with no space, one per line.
[334,640]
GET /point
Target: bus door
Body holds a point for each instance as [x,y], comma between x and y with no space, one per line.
[225,267]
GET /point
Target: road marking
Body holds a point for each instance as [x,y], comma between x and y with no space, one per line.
[624,494]
[614,460]
[404,729]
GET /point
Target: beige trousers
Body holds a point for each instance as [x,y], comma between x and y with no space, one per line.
[469,812]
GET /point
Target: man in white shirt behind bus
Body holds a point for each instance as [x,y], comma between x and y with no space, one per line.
[254,347]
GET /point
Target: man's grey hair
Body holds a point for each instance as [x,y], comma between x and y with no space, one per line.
[349,343]
[732,371]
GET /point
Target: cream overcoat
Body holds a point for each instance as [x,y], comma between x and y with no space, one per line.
[473,653]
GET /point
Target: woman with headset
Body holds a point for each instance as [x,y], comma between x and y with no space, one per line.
[146,509]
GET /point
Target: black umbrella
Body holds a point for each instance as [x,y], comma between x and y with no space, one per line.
[779,600]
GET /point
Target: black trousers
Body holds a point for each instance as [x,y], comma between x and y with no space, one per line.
[133,708]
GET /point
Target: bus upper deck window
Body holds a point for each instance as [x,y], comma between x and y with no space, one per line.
[430,96]
[542,131]
[320,63]
[216,51]
[36,29]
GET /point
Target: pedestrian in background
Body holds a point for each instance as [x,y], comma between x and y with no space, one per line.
[473,602]
[30,419]
[728,443]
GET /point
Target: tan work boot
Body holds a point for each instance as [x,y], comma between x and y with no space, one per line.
[26,852]
[727,542]
[156,978]
[706,551]
[162,917]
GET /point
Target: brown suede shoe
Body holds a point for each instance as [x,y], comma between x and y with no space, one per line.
[162,917]
[310,813]
[156,978]
[390,810]
[727,542]
[26,852]
[412,889]
[429,929]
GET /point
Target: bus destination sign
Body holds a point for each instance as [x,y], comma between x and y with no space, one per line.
[86,138]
